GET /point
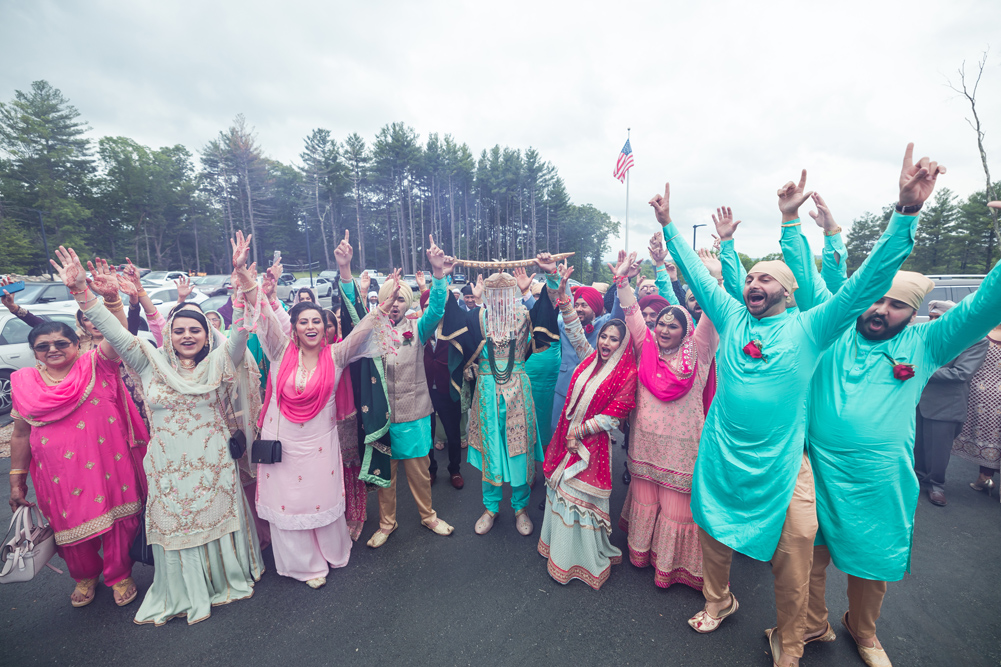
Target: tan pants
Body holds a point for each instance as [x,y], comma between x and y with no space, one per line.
[791,564]
[420,486]
[865,598]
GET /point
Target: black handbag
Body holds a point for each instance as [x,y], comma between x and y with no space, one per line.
[140,550]
[238,444]
[266,451]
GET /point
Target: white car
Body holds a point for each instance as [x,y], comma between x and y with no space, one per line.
[15,352]
[165,298]
[322,287]
[158,278]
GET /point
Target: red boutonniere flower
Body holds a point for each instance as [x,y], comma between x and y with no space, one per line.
[588,329]
[900,371]
[408,337]
[753,350]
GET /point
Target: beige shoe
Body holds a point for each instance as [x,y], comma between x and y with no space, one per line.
[439,527]
[523,523]
[704,622]
[484,523]
[379,537]
[871,655]
[317,582]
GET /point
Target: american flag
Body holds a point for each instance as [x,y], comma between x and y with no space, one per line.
[624,162]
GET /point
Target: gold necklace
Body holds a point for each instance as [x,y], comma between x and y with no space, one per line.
[45,372]
[191,363]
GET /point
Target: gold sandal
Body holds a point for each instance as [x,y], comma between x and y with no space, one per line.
[704,622]
[379,537]
[87,588]
[121,588]
[439,527]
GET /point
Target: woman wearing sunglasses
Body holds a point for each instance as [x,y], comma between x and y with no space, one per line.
[80,435]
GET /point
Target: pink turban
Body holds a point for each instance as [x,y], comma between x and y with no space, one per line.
[592,297]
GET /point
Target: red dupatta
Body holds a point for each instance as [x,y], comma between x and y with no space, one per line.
[615,396]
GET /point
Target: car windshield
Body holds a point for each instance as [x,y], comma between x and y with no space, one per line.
[156,275]
[302,282]
[30,291]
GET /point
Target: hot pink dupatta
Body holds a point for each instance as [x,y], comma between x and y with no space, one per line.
[301,407]
[672,379]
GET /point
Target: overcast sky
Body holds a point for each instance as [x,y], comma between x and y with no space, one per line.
[726,100]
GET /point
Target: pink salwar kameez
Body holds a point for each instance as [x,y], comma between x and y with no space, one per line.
[663,445]
[303,496]
[87,438]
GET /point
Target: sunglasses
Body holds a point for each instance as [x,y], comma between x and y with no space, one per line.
[45,347]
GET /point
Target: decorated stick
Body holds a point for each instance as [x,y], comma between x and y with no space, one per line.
[500,266]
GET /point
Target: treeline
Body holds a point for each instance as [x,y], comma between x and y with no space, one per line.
[168,208]
[954,236]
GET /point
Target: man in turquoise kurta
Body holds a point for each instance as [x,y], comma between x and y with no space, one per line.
[861,430]
[752,489]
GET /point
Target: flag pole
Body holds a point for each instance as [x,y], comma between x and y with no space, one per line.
[627,200]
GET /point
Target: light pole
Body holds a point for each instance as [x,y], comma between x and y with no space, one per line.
[695,230]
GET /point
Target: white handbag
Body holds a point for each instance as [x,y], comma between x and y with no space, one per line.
[29,550]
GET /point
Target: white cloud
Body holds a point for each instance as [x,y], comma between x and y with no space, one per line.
[727,100]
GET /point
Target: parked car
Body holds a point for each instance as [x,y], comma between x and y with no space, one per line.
[157,278]
[949,288]
[14,350]
[287,277]
[213,285]
[458,278]
[42,292]
[411,281]
[165,298]
[322,287]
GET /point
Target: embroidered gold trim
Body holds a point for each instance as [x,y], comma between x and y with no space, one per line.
[97,524]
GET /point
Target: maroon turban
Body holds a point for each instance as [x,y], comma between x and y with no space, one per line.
[655,301]
[592,297]
[425,295]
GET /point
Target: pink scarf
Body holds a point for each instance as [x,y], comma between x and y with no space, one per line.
[669,380]
[42,404]
[300,408]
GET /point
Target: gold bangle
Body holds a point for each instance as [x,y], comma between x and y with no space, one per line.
[249,289]
[114,307]
[18,471]
[141,293]
[834,231]
[792,224]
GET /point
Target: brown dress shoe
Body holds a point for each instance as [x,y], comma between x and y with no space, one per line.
[457,481]
[937,496]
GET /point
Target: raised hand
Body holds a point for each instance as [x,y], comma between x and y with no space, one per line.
[625,265]
[8,299]
[545,262]
[672,270]
[421,282]
[565,274]
[364,282]
[657,249]
[70,269]
[711,263]
[103,280]
[726,225]
[478,288]
[791,197]
[524,280]
[662,206]
[344,252]
[184,288]
[449,265]
[387,305]
[822,216]
[241,249]
[269,283]
[437,258]
[917,181]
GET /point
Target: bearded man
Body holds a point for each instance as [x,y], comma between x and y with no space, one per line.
[752,487]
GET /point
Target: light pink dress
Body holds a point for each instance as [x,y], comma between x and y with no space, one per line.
[663,445]
[303,496]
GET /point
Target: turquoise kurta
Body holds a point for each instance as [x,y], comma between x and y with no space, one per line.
[861,429]
[752,444]
[543,369]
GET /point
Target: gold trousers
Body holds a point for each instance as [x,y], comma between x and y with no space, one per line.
[791,564]
[420,486]
[865,598]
